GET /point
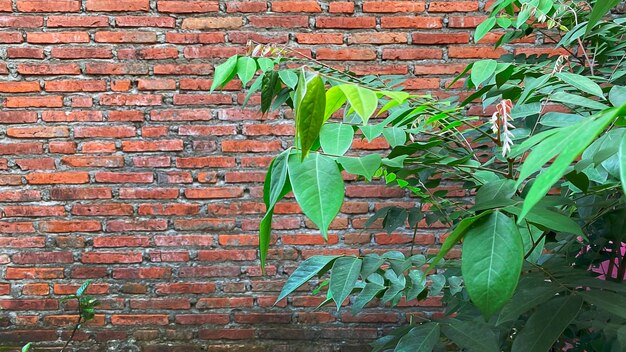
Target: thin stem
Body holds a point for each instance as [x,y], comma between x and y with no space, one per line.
[80,318]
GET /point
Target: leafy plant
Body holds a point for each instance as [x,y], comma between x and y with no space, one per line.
[86,312]
[548,172]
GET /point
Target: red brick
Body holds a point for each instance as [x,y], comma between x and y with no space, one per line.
[111,258]
[125,37]
[192,6]
[393,6]
[204,23]
[50,101]
[76,86]
[102,209]
[139,319]
[117,6]
[57,37]
[345,22]
[57,178]
[77,21]
[411,22]
[58,226]
[296,6]
[38,132]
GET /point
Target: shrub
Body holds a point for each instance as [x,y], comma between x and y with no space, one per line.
[548,171]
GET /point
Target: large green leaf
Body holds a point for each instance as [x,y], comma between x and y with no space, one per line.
[471,335]
[224,72]
[336,138]
[364,166]
[421,338]
[545,326]
[304,273]
[395,136]
[495,194]
[608,301]
[343,278]
[454,237]
[482,71]
[575,145]
[483,28]
[368,293]
[549,219]
[525,300]
[617,95]
[601,8]
[310,114]
[246,68]
[492,258]
[318,187]
[583,83]
[288,77]
[573,99]
[622,162]
[364,101]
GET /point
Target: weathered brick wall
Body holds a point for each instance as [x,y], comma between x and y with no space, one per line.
[118,165]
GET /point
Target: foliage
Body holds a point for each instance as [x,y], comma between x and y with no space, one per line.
[548,171]
[86,312]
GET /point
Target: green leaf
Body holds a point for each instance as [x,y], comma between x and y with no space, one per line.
[224,72]
[617,95]
[275,180]
[601,8]
[336,138]
[437,283]
[246,68]
[471,335]
[559,119]
[418,284]
[622,162]
[573,99]
[288,77]
[608,301]
[482,71]
[304,273]
[495,194]
[545,326]
[258,82]
[265,236]
[454,237]
[368,293]
[364,166]
[27,347]
[318,187]
[583,134]
[270,87]
[372,131]
[371,263]
[484,28]
[83,288]
[581,82]
[266,64]
[395,136]
[491,263]
[525,300]
[334,101]
[343,277]
[421,338]
[310,114]
[364,101]
[398,96]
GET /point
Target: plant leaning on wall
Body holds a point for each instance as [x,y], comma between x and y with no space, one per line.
[548,219]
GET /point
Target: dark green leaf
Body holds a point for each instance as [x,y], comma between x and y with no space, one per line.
[421,338]
[581,82]
[525,300]
[491,261]
[600,9]
[343,278]
[471,335]
[310,114]
[454,237]
[367,295]
[608,301]
[545,326]
[484,28]
[304,273]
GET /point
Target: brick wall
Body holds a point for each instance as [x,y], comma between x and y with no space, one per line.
[116,164]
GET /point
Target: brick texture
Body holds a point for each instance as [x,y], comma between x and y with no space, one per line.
[117,164]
